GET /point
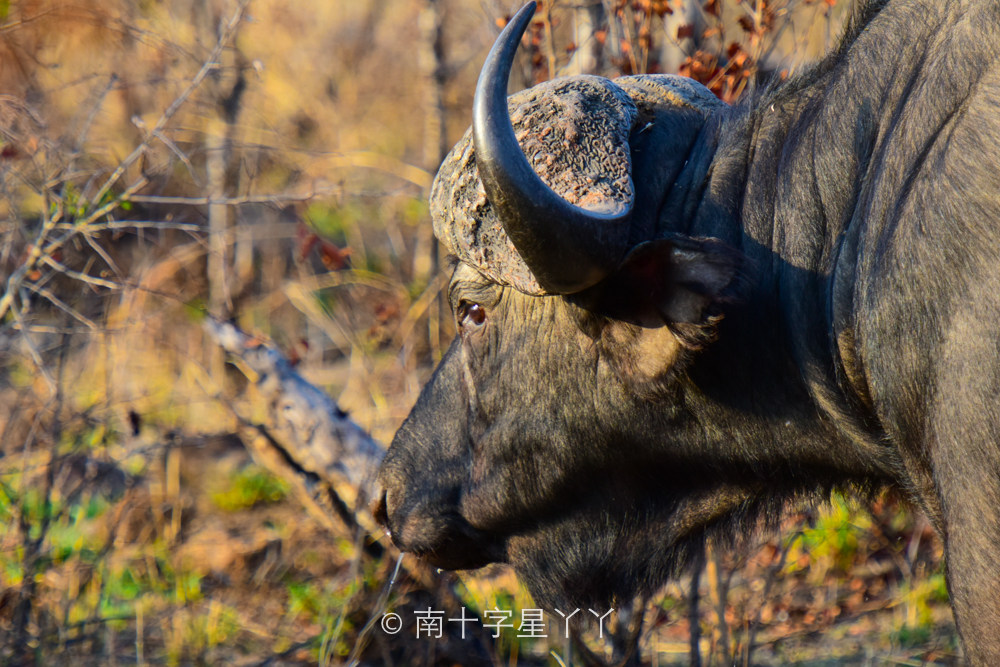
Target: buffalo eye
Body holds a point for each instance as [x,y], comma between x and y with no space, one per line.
[471,314]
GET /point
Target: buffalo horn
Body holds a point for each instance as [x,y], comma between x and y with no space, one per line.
[567,248]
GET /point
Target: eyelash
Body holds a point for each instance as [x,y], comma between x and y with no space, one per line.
[471,313]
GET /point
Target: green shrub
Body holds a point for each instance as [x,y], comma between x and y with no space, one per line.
[250,486]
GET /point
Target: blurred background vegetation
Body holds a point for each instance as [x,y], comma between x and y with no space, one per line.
[267,162]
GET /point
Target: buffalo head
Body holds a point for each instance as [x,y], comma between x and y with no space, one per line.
[553,435]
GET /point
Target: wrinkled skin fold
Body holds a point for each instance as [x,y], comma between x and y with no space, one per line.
[817,306]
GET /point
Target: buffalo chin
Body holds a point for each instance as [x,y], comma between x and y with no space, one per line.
[573,566]
[605,557]
[465,556]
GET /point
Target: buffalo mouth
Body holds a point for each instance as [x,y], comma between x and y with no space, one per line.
[438,535]
[461,552]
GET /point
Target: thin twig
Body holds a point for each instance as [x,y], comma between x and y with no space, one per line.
[376,617]
[627,29]
[550,49]
[93,114]
[99,282]
[16,278]
[62,305]
[114,203]
[694,618]
[225,201]
[42,328]
[180,155]
[105,256]
[134,224]
[35,354]
[418,308]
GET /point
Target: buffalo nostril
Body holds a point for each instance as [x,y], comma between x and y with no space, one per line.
[378,506]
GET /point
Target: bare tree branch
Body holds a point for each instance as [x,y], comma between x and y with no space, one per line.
[99,282]
[226,33]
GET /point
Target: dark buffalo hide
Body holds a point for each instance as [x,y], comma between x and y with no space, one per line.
[797,294]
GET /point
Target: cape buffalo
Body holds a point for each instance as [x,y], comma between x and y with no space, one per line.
[675,315]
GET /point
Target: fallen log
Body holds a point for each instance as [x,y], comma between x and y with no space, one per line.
[297,432]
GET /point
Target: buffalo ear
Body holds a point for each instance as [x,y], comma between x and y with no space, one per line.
[661,301]
[672,281]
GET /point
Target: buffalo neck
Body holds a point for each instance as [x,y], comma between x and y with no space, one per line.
[772,179]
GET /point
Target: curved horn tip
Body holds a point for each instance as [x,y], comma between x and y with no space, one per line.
[567,248]
[528,7]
